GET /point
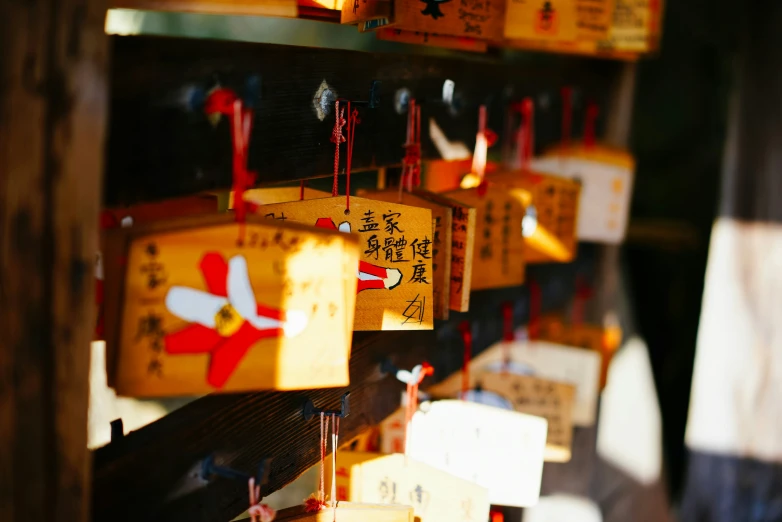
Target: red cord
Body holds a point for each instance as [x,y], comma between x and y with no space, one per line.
[337,138]
[582,295]
[526,132]
[507,321]
[466,331]
[352,122]
[301,190]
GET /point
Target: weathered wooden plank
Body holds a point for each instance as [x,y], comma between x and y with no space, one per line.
[162,145]
[52,118]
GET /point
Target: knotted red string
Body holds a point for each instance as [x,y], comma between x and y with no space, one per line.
[534,310]
[466,331]
[258,512]
[590,123]
[352,122]
[227,103]
[337,138]
[582,295]
[567,113]
[412,399]
[317,502]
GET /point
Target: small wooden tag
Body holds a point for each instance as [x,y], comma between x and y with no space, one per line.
[499,449]
[499,256]
[544,360]
[551,204]
[552,400]
[442,230]
[481,19]
[462,248]
[349,512]
[266,196]
[202,314]
[606,178]
[396,244]
[436,496]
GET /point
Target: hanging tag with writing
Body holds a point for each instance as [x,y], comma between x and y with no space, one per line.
[499,254]
[550,399]
[498,449]
[435,495]
[349,512]
[442,230]
[395,271]
[202,312]
[265,196]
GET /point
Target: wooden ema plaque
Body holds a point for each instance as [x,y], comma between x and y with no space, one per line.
[559,20]
[592,337]
[552,214]
[477,19]
[349,512]
[396,252]
[462,248]
[552,400]
[265,196]
[545,360]
[286,8]
[499,449]
[202,314]
[435,495]
[499,255]
[606,178]
[442,230]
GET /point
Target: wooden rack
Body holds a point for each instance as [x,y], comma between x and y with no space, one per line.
[60,101]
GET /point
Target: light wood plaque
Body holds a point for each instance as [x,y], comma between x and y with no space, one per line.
[201,314]
[499,253]
[442,242]
[349,512]
[395,289]
[552,207]
[435,495]
[286,8]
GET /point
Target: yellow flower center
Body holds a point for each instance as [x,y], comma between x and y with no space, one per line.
[228,321]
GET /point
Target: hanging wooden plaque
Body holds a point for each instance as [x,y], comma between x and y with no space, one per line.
[551,204]
[201,314]
[265,196]
[395,269]
[462,248]
[286,8]
[545,360]
[606,178]
[604,341]
[349,512]
[552,400]
[442,231]
[499,256]
[472,18]
[499,449]
[436,496]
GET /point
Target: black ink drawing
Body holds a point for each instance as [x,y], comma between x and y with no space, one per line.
[433,8]
[414,313]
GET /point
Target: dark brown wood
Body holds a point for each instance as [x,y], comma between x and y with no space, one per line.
[162,145]
[52,118]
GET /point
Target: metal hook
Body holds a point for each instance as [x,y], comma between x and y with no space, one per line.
[310,410]
[209,468]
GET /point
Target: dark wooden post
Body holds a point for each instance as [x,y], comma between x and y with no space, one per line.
[52,118]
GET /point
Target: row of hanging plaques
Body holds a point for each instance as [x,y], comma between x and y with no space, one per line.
[204,303]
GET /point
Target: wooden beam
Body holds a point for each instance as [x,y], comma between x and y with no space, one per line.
[52,117]
[162,145]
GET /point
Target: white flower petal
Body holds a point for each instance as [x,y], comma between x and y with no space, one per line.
[193,305]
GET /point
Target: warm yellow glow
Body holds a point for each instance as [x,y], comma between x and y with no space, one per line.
[470,181]
[544,241]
